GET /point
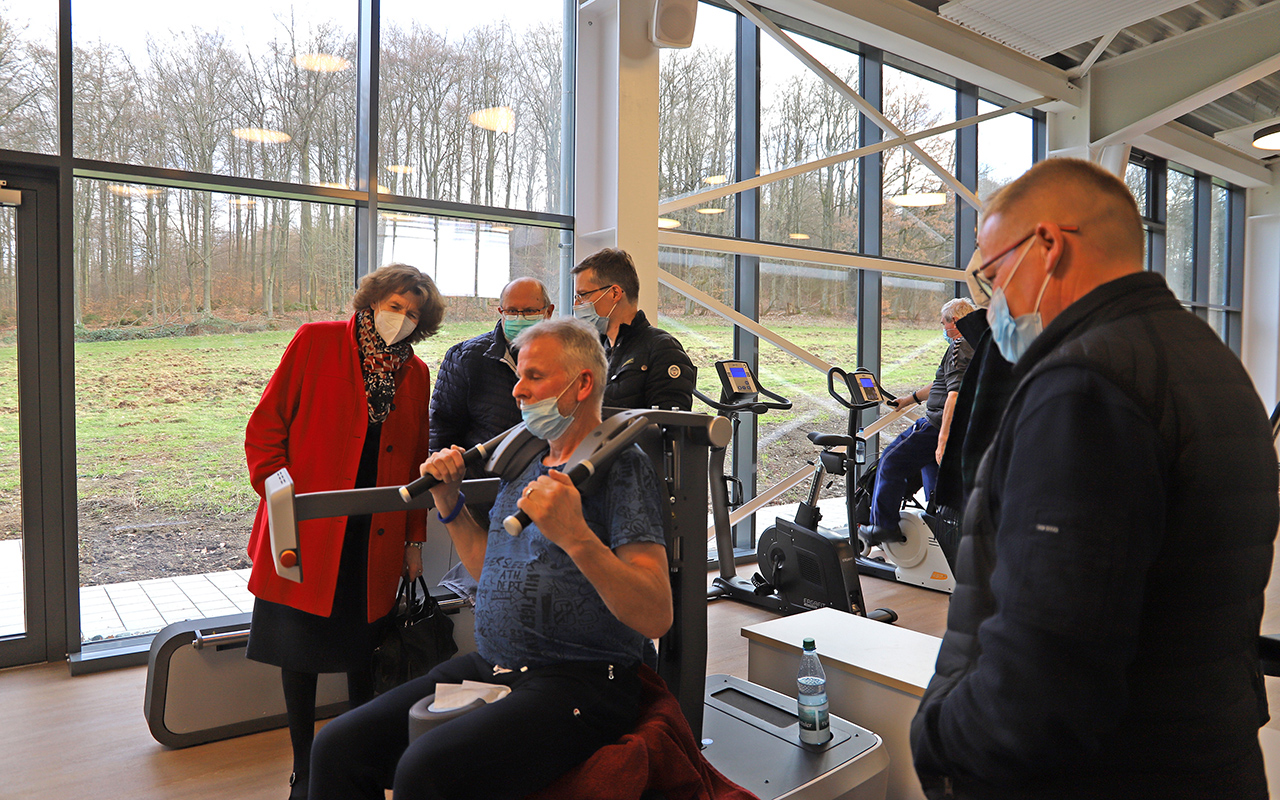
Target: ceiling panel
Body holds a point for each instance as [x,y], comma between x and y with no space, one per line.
[1064,34]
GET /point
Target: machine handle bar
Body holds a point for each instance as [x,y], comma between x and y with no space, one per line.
[472,457]
[779,403]
[847,402]
[605,451]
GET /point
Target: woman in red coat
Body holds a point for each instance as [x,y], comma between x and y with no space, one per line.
[346,408]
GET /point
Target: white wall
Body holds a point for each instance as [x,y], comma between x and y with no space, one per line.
[1260,342]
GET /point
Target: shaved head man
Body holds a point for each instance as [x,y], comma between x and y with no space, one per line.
[471,401]
[1074,664]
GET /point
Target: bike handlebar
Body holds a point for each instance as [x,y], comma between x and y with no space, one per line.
[847,402]
[779,403]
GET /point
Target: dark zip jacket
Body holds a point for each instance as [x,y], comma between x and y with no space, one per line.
[648,367]
[1102,638]
[471,401]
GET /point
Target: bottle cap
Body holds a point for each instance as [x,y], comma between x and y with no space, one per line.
[809,645]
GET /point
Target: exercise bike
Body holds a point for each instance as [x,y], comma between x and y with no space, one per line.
[802,566]
[919,557]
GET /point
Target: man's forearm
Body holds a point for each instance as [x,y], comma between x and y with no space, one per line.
[948,411]
[470,540]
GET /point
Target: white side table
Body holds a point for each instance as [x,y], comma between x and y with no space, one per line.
[876,675]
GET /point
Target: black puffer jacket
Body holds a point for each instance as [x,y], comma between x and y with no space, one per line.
[471,401]
[1102,640]
[648,367]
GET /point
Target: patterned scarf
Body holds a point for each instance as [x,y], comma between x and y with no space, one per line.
[378,363]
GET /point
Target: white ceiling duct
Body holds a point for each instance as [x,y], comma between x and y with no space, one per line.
[1038,28]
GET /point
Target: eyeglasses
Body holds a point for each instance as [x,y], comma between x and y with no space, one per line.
[579,297]
[528,314]
[978,268]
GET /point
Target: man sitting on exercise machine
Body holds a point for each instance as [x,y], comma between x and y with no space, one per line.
[563,615]
[920,447]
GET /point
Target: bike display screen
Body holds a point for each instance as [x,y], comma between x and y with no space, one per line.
[867,388]
[736,380]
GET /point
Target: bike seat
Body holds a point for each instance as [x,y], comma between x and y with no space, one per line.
[830,439]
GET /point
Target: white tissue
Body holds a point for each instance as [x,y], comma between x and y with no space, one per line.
[456,695]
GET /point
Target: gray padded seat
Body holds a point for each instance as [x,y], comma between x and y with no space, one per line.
[423,719]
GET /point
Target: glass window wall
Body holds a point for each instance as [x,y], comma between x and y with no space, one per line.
[1004,149]
[261,89]
[696,122]
[470,102]
[13,610]
[919,209]
[1180,235]
[29,76]
[185,301]
[802,119]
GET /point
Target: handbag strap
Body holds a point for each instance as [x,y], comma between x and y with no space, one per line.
[419,603]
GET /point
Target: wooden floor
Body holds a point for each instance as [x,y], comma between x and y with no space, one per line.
[85,737]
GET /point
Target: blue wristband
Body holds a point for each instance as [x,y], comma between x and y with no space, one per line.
[462,501]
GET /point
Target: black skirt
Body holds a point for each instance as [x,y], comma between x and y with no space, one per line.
[344,640]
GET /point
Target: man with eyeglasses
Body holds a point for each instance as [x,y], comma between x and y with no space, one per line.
[648,367]
[471,401]
[1095,647]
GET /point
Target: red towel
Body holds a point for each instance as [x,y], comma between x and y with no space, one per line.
[659,755]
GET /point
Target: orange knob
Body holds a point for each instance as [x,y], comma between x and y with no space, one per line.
[289,558]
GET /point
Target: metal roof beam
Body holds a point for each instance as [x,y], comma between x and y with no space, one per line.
[868,110]
[907,30]
[1137,92]
[1191,148]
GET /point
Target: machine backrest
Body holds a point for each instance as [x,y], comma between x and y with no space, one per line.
[682,476]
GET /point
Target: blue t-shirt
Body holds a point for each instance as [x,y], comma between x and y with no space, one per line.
[534,606]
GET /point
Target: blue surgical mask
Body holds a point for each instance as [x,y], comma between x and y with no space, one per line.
[587,313]
[543,418]
[1013,335]
[511,328]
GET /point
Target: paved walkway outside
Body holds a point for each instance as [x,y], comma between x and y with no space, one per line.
[127,609]
[12,614]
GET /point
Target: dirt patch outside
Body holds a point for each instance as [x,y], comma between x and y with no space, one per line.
[121,543]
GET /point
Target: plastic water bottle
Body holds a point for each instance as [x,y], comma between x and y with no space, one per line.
[811,686]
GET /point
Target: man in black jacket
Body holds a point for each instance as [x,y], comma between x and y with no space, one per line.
[1092,648]
[648,367]
[471,401]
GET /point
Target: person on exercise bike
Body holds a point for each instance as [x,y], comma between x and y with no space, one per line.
[918,450]
[564,613]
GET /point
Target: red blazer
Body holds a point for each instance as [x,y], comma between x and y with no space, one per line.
[312,418]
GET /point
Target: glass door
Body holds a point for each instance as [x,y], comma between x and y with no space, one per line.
[32,604]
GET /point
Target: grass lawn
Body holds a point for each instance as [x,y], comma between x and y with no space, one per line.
[160,422]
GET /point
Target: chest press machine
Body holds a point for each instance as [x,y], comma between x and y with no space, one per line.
[748,732]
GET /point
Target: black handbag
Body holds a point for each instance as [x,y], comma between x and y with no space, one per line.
[418,636]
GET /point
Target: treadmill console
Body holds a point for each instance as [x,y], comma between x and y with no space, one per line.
[737,383]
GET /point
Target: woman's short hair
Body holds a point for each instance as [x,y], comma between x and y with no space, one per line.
[956,308]
[580,343]
[405,280]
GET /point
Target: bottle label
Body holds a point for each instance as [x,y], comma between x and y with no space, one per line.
[815,723]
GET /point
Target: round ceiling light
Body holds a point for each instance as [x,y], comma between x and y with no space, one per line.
[1267,138]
